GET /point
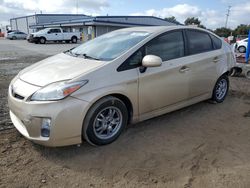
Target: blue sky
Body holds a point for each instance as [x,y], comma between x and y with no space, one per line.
[212,13]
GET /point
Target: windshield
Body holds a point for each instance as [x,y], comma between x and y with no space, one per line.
[43,30]
[109,46]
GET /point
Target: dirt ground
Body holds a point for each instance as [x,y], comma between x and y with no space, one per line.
[205,145]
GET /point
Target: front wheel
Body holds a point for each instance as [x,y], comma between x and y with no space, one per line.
[42,40]
[105,121]
[74,40]
[221,89]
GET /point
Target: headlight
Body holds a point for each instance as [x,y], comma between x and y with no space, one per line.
[57,91]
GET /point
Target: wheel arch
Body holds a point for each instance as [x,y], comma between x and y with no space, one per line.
[43,37]
[128,104]
[119,96]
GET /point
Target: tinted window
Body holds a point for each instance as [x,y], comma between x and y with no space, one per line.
[216,42]
[168,46]
[55,30]
[198,42]
[132,62]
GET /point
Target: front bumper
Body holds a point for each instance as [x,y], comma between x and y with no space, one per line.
[32,39]
[66,119]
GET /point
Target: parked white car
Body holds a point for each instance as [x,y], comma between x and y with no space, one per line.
[53,34]
[241,45]
[16,35]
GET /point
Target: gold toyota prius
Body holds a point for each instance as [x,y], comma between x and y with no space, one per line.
[93,91]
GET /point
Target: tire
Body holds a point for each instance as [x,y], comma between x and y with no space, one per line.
[247,73]
[220,89]
[14,38]
[42,40]
[74,39]
[100,121]
[242,49]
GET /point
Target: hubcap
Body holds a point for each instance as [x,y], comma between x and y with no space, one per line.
[108,122]
[242,49]
[221,89]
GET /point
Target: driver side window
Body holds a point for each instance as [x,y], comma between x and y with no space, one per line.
[133,61]
[168,46]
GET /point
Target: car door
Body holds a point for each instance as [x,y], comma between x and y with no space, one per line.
[160,87]
[58,34]
[50,34]
[202,60]
[22,35]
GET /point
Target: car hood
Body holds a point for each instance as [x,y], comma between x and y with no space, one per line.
[57,68]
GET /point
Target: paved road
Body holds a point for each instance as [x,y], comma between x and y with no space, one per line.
[10,49]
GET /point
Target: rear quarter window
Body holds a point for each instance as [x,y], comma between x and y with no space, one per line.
[198,42]
[216,42]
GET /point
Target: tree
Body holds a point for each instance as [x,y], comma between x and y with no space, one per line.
[194,21]
[223,32]
[242,30]
[171,19]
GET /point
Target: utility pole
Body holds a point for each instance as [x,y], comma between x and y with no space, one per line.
[227,15]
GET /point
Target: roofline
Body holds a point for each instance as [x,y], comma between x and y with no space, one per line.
[82,23]
[48,15]
[139,17]
[96,17]
[122,23]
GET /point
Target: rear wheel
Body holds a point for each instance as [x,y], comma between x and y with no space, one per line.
[42,40]
[74,40]
[105,121]
[220,89]
[247,73]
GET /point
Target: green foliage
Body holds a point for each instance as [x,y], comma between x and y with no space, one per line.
[223,32]
[171,19]
[242,30]
[194,21]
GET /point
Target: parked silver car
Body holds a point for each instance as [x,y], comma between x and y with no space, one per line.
[16,35]
[93,91]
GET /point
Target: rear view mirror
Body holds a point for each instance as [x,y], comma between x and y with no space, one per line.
[49,32]
[151,61]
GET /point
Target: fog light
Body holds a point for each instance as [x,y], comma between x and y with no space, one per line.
[45,129]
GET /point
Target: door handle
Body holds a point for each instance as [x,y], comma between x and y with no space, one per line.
[216,59]
[184,69]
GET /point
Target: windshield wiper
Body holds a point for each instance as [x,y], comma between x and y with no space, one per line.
[70,52]
[89,57]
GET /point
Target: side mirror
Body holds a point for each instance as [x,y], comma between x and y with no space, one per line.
[151,61]
[49,32]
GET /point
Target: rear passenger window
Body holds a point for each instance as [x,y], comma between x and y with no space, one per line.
[198,42]
[217,42]
[168,46]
